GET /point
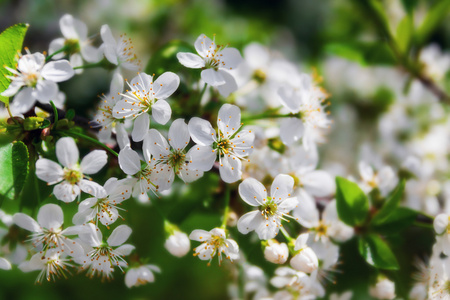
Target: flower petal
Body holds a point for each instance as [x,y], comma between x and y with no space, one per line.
[5,264]
[119,235]
[92,188]
[249,222]
[201,131]
[161,111]
[129,161]
[291,130]
[67,152]
[229,86]
[122,136]
[45,90]
[318,183]
[48,171]
[229,119]
[165,85]
[252,192]
[179,135]
[57,71]
[306,213]
[50,216]
[212,77]
[155,144]
[23,101]
[231,58]
[282,187]
[26,222]
[190,60]
[66,192]
[140,128]
[199,235]
[93,162]
[204,45]
[202,158]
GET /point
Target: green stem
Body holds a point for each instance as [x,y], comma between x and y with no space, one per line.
[55,114]
[266,116]
[202,92]
[87,138]
[286,234]
[88,66]
[56,52]
[10,114]
[227,207]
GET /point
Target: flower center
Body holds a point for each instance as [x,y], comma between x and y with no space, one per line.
[31,79]
[223,146]
[176,160]
[72,46]
[259,76]
[72,176]
[269,207]
[322,229]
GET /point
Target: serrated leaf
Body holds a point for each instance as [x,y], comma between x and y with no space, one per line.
[390,205]
[399,219]
[11,41]
[352,203]
[404,34]
[434,17]
[14,169]
[377,253]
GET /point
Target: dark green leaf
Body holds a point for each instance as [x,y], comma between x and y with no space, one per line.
[390,205]
[11,41]
[434,17]
[377,253]
[14,169]
[352,203]
[409,5]
[363,52]
[399,219]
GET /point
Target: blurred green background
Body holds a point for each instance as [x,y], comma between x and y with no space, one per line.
[306,31]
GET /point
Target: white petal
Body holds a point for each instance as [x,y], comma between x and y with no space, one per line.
[199,235]
[122,136]
[67,152]
[26,222]
[117,83]
[161,111]
[252,192]
[291,130]
[201,131]
[119,235]
[229,86]
[140,128]
[5,264]
[179,134]
[92,54]
[287,205]
[282,187]
[306,212]
[93,162]
[155,144]
[125,249]
[92,188]
[76,61]
[45,90]
[300,242]
[110,44]
[440,223]
[55,45]
[72,28]
[318,183]
[66,192]
[129,161]
[13,88]
[212,77]
[366,171]
[230,169]
[231,57]
[204,45]
[165,85]
[202,158]
[190,60]
[48,170]
[31,63]
[131,277]
[249,222]
[23,101]
[50,216]
[290,99]
[57,71]
[229,119]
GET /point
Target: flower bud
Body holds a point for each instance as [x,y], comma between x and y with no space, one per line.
[305,261]
[384,289]
[276,253]
[178,244]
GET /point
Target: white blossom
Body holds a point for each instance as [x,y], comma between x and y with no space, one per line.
[119,52]
[178,244]
[141,275]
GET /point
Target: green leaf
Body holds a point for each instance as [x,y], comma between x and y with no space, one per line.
[11,41]
[14,165]
[404,34]
[399,219]
[390,205]
[434,17]
[377,253]
[352,203]
[409,5]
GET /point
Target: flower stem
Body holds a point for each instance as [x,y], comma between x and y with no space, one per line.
[423,225]
[87,138]
[88,66]
[10,114]
[286,234]
[56,52]
[227,207]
